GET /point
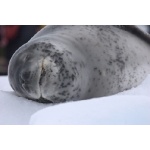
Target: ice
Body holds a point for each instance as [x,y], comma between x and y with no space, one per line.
[128,107]
[120,110]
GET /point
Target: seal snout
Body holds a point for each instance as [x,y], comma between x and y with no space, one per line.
[38,77]
[46,72]
[48,76]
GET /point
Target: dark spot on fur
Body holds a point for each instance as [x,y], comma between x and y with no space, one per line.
[110,62]
[73,77]
[89,90]
[46,51]
[100,73]
[126,59]
[95,68]
[43,100]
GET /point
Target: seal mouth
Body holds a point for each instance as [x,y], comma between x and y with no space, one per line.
[49,72]
[43,100]
[43,74]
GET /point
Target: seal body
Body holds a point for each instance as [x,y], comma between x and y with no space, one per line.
[66,63]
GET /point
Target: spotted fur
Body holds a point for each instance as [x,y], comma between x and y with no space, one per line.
[67,63]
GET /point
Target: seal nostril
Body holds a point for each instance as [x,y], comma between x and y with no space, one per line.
[25,76]
[22,81]
[26,88]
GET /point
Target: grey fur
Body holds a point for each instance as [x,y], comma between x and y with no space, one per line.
[66,63]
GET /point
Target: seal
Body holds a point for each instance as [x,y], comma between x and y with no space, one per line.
[68,63]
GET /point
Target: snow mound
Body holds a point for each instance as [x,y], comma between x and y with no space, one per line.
[16,110]
[128,107]
[107,110]
[4,84]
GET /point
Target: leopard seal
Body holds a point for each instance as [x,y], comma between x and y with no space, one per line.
[68,63]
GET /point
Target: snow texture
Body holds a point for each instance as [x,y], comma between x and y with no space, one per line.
[108,110]
[15,110]
[128,107]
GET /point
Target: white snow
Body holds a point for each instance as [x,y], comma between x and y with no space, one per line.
[128,107]
[107,110]
[14,109]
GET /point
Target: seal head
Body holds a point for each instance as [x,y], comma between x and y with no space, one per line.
[45,73]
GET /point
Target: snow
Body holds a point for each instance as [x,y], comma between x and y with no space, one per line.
[107,110]
[15,110]
[128,107]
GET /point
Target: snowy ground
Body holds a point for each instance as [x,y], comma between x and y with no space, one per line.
[129,107]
